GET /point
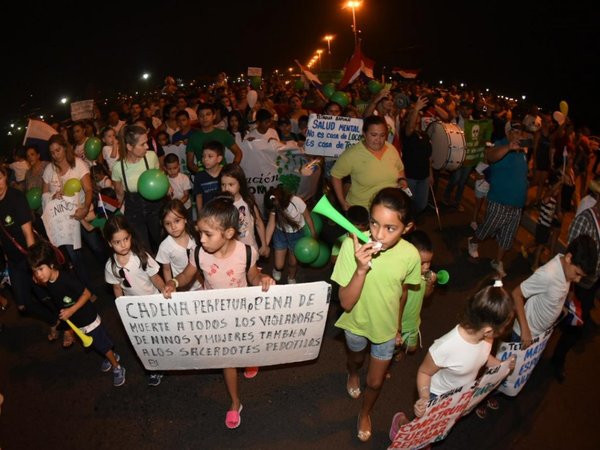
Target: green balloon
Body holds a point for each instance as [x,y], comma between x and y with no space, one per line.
[92,148]
[299,84]
[72,187]
[341,98]
[256,82]
[374,86]
[443,277]
[323,258]
[317,222]
[34,197]
[306,250]
[328,90]
[153,184]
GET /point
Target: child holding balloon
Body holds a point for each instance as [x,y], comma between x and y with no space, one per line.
[287,216]
[372,278]
[225,263]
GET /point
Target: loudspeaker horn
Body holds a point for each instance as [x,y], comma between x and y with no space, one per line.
[85,339]
[325,208]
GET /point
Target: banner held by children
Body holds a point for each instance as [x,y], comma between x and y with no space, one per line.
[241,327]
[443,411]
[527,359]
[331,135]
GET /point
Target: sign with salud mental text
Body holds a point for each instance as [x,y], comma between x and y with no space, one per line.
[443,411]
[241,327]
[331,135]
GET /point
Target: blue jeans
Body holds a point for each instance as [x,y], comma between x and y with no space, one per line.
[459,179]
[420,193]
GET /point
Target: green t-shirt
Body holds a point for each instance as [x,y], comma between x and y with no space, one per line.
[133,171]
[375,314]
[411,317]
[197,140]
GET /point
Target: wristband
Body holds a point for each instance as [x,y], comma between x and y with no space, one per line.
[175,282]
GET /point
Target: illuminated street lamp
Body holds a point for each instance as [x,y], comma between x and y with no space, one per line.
[328,38]
[145,75]
[353,5]
[64,100]
[319,53]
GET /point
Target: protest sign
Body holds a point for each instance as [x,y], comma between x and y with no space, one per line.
[331,135]
[82,110]
[255,71]
[443,411]
[243,327]
[61,228]
[477,133]
[179,150]
[527,359]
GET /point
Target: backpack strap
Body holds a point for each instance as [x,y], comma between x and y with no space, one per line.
[197,258]
[248,257]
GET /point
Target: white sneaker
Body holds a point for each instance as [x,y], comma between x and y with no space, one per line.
[472,246]
[474,226]
[276,274]
[498,267]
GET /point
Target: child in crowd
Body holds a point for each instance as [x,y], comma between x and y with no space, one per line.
[372,278]
[110,148]
[284,129]
[263,130]
[185,131]
[455,359]
[302,127]
[206,182]
[233,180]
[100,177]
[548,224]
[71,299]
[181,240]
[180,184]
[130,269]
[224,263]
[236,126]
[287,216]
[163,139]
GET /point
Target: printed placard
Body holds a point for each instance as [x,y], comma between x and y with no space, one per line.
[477,133]
[331,135]
[255,71]
[527,359]
[243,327]
[82,110]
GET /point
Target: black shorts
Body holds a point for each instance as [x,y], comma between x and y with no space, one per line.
[542,234]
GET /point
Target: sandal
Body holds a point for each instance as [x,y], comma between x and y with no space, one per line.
[363,435]
[68,338]
[493,403]
[481,412]
[53,334]
[233,418]
[352,392]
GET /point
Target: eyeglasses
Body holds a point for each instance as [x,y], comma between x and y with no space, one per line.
[126,282]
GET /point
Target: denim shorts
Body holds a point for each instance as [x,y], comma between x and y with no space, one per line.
[383,351]
[283,240]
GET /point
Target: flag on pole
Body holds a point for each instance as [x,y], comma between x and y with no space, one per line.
[409,74]
[358,64]
[308,74]
[107,204]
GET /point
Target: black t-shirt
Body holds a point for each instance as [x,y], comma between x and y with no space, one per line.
[65,291]
[14,212]
[416,153]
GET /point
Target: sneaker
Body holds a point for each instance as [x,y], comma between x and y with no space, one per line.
[250,372]
[276,274]
[492,403]
[119,376]
[481,412]
[473,226]
[106,365]
[154,379]
[498,267]
[291,281]
[472,246]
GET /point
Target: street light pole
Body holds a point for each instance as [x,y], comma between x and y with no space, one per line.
[353,5]
[328,38]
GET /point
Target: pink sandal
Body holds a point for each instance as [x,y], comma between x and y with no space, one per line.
[233,418]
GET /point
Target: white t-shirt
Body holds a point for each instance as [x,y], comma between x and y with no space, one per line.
[545,291]
[170,252]
[56,182]
[246,227]
[106,151]
[459,361]
[268,136]
[139,279]
[223,273]
[295,210]
[180,184]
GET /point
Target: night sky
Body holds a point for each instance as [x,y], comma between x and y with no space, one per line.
[545,50]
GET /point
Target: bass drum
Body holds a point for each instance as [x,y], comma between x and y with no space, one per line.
[448,147]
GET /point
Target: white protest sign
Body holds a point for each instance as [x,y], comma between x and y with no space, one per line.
[331,135]
[82,110]
[179,150]
[526,361]
[241,327]
[255,71]
[443,411]
[61,228]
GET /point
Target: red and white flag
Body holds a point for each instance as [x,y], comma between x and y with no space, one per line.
[308,74]
[107,204]
[38,130]
[358,64]
[409,74]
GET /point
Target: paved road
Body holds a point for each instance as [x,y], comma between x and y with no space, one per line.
[58,398]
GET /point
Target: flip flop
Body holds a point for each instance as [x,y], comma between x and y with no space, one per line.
[233,419]
[363,435]
[352,392]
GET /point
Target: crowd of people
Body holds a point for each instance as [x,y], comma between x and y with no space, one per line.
[384,184]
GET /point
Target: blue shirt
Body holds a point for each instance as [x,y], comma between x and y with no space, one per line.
[207,185]
[508,178]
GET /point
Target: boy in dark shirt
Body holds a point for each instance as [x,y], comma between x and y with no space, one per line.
[71,299]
